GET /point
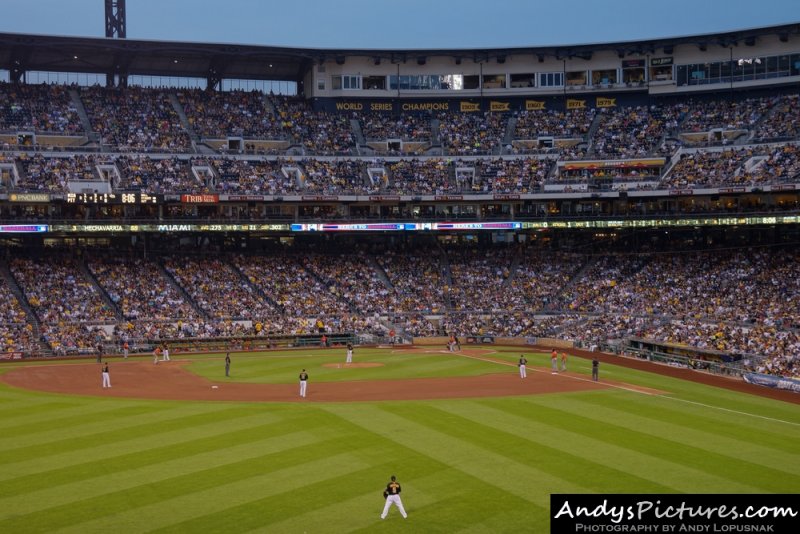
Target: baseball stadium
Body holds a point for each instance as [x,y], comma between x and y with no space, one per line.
[498,275]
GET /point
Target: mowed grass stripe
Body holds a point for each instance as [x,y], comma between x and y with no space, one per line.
[462,454]
[137,438]
[724,399]
[735,439]
[44,410]
[715,470]
[40,427]
[444,499]
[79,437]
[720,425]
[728,412]
[153,471]
[20,409]
[287,500]
[221,491]
[579,469]
[273,368]
[649,474]
[138,456]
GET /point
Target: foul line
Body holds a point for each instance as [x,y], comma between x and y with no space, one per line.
[662,396]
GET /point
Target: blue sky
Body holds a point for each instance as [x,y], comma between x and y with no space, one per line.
[400,24]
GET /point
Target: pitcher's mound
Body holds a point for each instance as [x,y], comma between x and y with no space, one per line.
[359,365]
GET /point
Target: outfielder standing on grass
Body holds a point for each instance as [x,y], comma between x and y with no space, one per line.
[349,353]
[523,372]
[392,496]
[228,364]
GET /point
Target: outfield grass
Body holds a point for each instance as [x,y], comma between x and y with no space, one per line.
[83,464]
[284,366]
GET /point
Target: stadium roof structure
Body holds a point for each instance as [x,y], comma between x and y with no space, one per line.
[214,61]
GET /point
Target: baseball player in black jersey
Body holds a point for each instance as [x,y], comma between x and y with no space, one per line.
[106,376]
[392,496]
[349,353]
[303,383]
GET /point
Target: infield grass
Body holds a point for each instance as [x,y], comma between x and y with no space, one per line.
[89,464]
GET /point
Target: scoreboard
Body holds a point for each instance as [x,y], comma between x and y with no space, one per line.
[112,198]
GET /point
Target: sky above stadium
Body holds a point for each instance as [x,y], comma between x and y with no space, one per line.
[399,24]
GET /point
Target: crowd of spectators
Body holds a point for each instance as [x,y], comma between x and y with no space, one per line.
[708,168]
[135,119]
[417,280]
[158,175]
[38,108]
[335,177]
[464,134]
[515,175]
[782,164]
[57,291]
[752,165]
[748,165]
[16,333]
[406,127]
[538,277]
[295,289]
[352,278]
[732,166]
[424,176]
[631,132]
[218,288]
[590,292]
[65,338]
[702,116]
[262,177]
[632,177]
[40,173]
[502,324]
[740,302]
[479,278]
[218,114]
[781,123]
[574,123]
[320,133]
[140,289]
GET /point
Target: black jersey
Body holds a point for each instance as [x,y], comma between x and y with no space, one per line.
[393,488]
